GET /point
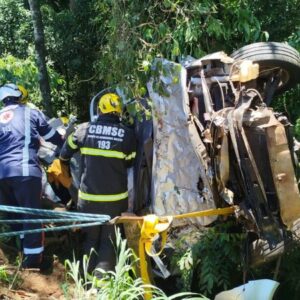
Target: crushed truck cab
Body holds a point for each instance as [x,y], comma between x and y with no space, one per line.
[214,141]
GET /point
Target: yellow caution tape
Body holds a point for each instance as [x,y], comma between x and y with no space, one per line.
[152,226]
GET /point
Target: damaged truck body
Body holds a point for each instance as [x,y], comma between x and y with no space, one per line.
[214,141]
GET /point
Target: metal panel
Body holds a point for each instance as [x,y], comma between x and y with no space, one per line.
[178,152]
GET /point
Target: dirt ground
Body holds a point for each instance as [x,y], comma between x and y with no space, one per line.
[30,284]
[35,286]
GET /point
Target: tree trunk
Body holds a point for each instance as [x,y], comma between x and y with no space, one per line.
[40,48]
[72,5]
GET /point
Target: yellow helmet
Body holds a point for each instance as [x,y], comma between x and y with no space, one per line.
[109,103]
[24,92]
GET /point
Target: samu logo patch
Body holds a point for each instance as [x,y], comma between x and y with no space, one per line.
[6,116]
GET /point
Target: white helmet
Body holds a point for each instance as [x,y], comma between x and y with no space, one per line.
[9,90]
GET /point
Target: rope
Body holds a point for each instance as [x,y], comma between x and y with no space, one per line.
[57,217]
[45,212]
[58,228]
[65,220]
[151,226]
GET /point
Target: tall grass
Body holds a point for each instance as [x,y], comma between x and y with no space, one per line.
[120,284]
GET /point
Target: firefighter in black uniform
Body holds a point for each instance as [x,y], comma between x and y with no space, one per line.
[107,149]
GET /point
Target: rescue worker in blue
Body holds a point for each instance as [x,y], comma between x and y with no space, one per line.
[21,129]
[107,149]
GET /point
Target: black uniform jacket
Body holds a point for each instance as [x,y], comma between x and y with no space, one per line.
[107,149]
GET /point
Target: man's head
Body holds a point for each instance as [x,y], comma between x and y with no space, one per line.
[10,93]
[110,103]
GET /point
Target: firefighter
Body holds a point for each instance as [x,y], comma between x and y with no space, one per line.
[21,128]
[107,149]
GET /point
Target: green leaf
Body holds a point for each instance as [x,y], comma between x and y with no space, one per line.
[162,29]
[246,30]
[265,36]
[175,49]
[148,33]
[188,34]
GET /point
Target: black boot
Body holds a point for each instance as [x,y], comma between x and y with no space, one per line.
[38,261]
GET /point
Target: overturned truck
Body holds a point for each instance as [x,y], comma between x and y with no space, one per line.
[214,141]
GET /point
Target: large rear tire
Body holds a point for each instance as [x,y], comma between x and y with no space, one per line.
[273,57]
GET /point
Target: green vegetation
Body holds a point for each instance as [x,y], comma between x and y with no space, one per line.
[91,45]
[95,44]
[122,283]
[289,103]
[10,276]
[220,256]
[219,261]
[4,277]
[213,262]
[25,72]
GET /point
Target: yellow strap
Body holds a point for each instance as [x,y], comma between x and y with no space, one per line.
[203,213]
[209,212]
[144,270]
[104,198]
[153,225]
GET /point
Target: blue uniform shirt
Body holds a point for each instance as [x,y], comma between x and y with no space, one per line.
[21,128]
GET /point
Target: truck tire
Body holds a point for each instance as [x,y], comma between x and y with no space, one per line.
[270,56]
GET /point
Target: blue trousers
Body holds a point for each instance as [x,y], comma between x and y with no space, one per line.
[24,192]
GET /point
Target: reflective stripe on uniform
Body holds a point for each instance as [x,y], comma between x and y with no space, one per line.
[33,250]
[49,135]
[102,152]
[130,156]
[71,143]
[104,198]
[25,151]
[9,107]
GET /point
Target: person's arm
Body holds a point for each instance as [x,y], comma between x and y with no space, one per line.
[70,147]
[130,148]
[46,131]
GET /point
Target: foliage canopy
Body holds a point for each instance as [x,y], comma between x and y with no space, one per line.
[99,43]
